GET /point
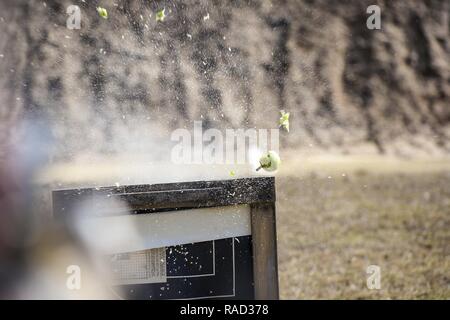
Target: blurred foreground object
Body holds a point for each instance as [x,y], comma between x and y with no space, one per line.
[35,253]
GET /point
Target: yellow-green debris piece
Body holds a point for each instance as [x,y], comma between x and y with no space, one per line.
[284,120]
[161,15]
[270,161]
[102,12]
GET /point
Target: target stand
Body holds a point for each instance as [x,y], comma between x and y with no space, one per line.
[189,240]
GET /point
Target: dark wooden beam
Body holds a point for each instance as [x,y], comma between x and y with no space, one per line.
[265,262]
[158,197]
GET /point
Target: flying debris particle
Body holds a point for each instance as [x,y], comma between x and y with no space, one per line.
[2,56]
[117,184]
[189,36]
[206,17]
[102,12]
[232,173]
[161,15]
[284,120]
[270,161]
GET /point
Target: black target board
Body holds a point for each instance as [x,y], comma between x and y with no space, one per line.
[198,240]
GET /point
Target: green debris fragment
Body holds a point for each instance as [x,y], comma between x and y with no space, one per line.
[284,120]
[232,173]
[161,15]
[102,12]
[270,161]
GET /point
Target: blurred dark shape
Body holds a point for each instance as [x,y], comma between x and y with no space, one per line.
[21,160]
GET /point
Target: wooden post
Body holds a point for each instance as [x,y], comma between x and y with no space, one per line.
[265,264]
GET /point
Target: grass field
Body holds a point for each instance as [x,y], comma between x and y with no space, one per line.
[330,228]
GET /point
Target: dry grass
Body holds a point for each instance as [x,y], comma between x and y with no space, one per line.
[331,229]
